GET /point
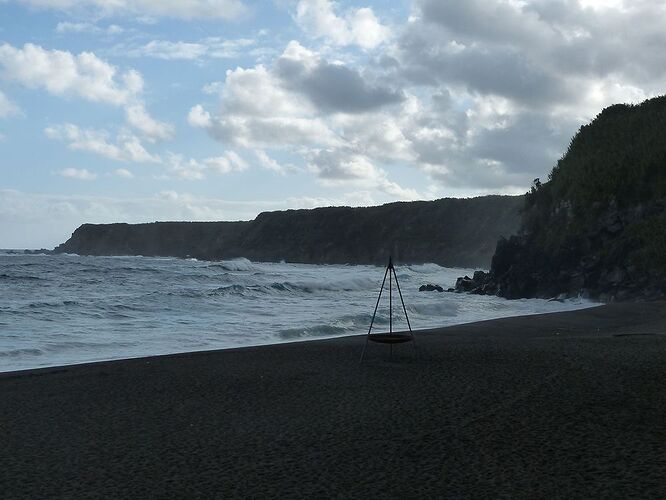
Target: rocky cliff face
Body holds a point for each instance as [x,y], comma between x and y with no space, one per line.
[597,228]
[450,232]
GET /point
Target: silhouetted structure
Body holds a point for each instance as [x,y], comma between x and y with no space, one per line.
[390,337]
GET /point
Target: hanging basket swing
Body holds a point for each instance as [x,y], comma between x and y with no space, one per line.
[390,337]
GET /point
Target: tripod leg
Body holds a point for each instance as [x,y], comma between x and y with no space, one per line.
[367,338]
[406,316]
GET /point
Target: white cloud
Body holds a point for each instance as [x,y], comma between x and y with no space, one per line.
[269,163]
[192,169]
[339,167]
[181,9]
[210,47]
[198,117]
[89,28]
[86,76]
[7,107]
[127,147]
[123,173]
[358,26]
[286,105]
[64,74]
[162,49]
[257,111]
[152,129]
[81,174]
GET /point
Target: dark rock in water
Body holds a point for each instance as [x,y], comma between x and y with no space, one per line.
[430,288]
[464,284]
[479,284]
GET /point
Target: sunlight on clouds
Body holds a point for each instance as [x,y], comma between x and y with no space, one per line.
[192,169]
[454,98]
[358,27]
[603,4]
[62,73]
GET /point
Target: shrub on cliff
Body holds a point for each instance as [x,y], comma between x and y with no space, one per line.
[600,215]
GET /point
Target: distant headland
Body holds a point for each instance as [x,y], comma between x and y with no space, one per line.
[450,232]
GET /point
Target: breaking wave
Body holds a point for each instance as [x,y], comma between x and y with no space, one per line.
[63,309]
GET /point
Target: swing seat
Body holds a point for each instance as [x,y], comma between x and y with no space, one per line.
[390,338]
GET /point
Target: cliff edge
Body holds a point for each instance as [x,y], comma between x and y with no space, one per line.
[597,227]
[450,232]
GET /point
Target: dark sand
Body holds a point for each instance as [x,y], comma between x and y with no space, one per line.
[561,405]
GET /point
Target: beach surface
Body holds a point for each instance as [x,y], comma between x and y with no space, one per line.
[558,405]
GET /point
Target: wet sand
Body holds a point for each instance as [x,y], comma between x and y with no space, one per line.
[559,405]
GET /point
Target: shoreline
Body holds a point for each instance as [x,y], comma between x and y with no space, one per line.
[552,405]
[318,339]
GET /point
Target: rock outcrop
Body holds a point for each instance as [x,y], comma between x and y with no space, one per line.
[597,228]
[429,287]
[450,232]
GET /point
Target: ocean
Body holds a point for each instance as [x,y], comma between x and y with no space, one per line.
[66,309]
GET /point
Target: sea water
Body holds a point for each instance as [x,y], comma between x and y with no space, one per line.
[66,309]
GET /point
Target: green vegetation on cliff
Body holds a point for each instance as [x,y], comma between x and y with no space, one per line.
[597,226]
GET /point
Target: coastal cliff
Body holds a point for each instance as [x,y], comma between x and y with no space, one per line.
[450,232]
[597,227]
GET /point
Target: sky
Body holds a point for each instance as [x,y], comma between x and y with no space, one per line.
[146,110]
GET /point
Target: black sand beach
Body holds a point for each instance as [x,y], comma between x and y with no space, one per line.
[560,405]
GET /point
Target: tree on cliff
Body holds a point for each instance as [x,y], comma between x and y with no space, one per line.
[598,225]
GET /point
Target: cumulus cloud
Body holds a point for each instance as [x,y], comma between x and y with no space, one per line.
[541,53]
[339,167]
[65,74]
[85,76]
[152,129]
[503,85]
[286,104]
[333,116]
[269,163]
[7,107]
[192,169]
[257,111]
[330,87]
[484,96]
[80,174]
[181,9]
[357,26]
[126,147]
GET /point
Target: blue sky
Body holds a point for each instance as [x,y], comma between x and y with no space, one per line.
[136,111]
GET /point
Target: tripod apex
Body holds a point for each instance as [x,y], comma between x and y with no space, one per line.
[390,264]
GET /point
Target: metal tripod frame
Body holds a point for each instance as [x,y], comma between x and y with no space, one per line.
[386,338]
